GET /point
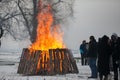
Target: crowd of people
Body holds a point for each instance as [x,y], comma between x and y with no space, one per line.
[101,55]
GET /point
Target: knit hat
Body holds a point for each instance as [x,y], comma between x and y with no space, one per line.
[114,34]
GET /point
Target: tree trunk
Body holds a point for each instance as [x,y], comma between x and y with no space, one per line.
[35,11]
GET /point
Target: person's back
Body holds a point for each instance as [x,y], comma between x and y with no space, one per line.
[115,44]
[116,48]
[83,52]
[92,56]
[83,47]
[92,51]
[104,57]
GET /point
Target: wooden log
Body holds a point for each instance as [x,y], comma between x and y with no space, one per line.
[31,67]
[28,62]
[55,61]
[45,64]
[66,63]
[61,57]
[41,64]
[73,62]
[41,69]
[51,62]
[24,56]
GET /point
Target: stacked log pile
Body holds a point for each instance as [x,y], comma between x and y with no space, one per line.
[55,61]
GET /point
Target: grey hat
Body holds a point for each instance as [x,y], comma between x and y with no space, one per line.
[114,34]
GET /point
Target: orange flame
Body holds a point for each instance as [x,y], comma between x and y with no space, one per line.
[48,36]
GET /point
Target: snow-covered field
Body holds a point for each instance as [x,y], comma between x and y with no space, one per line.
[9,64]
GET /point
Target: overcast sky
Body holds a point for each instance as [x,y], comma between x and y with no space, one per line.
[91,17]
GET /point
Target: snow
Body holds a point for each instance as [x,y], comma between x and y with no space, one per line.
[9,71]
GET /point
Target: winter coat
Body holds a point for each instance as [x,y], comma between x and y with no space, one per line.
[116,49]
[104,52]
[83,49]
[92,50]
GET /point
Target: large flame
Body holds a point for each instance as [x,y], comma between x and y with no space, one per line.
[48,36]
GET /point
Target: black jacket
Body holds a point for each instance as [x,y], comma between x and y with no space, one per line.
[104,52]
[116,49]
[92,50]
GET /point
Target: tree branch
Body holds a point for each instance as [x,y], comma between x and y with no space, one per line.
[27,25]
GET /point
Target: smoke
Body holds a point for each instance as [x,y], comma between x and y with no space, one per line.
[62,10]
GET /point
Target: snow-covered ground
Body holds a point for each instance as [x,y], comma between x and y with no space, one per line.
[9,64]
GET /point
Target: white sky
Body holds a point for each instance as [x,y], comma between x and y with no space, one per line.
[91,17]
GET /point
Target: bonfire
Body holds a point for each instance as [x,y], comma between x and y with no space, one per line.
[48,55]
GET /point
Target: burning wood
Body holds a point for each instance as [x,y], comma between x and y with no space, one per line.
[55,61]
[42,57]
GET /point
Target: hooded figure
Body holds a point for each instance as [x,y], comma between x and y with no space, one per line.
[115,44]
[104,52]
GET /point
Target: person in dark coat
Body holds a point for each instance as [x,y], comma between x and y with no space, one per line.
[115,44]
[92,56]
[104,57]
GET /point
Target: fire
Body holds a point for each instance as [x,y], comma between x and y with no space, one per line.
[48,36]
[48,54]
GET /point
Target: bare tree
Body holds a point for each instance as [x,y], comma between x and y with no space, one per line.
[8,15]
[19,19]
